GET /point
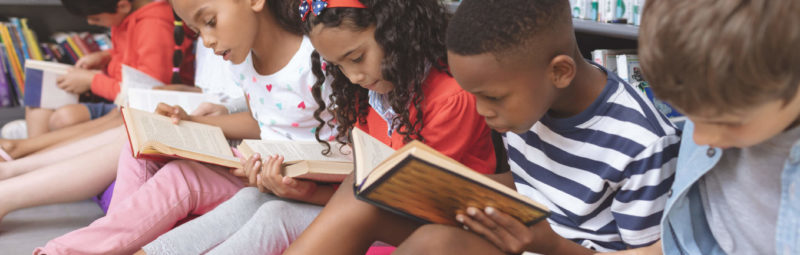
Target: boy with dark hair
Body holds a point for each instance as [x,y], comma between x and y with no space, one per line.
[141,37]
[579,139]
[733,68]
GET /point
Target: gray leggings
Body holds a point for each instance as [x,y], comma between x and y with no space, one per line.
[250,222]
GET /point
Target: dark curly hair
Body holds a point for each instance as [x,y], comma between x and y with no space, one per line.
[411,34]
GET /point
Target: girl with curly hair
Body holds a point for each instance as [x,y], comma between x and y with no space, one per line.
[385,64]
[390,78]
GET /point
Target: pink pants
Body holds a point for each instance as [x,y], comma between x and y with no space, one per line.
[149,199]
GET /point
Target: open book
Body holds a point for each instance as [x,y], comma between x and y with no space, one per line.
[41,89]
[136,91]
[419,182]
[154,136]
[304,160]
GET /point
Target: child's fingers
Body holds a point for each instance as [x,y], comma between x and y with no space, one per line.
[164,109]
[480,229]
[253,174]
[508,223]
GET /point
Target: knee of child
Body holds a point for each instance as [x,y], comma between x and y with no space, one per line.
[429,239]
[67,116]
[248,195]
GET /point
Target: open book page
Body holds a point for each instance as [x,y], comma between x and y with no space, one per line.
[133,78]
[369,153]
[293,151]
[187,135]
[148,99]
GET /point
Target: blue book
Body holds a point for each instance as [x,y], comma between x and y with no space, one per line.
[23,43]
[41,89]
[8,72]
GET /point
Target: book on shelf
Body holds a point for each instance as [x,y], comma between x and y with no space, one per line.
[7,96]
[155,136]
[421,183]
[41,88]
[304,159]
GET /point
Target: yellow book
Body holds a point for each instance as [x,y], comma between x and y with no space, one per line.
[13,58]
[304,160]
[154,136]
[420,183]
[33,43]
[75,47]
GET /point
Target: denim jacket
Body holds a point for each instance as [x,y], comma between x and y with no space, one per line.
[684,226]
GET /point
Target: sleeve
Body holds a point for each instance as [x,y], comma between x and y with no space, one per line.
[454,128]
[639,203]
[154,56]
[236,105]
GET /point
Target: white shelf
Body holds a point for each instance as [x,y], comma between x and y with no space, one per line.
[30,2]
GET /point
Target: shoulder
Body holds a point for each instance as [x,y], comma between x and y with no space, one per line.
[441,91]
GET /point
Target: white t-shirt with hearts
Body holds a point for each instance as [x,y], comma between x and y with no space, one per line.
[282,102]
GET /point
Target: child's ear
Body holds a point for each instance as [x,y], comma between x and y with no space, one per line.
[562,70]
[124,7]
[257,5]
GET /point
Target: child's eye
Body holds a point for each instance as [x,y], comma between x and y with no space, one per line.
[358,60]
[211,22]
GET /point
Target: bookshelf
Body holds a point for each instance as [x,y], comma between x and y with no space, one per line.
[45,18]
[593,35]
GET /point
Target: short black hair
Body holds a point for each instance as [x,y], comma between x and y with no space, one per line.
[499,26]
[90,7]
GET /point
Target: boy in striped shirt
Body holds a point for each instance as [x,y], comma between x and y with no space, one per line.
[580,140]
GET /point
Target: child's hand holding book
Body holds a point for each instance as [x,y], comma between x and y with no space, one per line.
[176,113]
[76,81]
[509,234]
[284,186]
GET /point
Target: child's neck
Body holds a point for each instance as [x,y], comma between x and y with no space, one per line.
[587,85]
[136,4]
[274,47]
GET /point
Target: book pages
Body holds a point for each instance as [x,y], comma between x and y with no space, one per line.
[133,78]
[148,99]
[370,153]
[186,135]
[293,151]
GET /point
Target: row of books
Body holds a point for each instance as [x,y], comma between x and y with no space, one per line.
[609,11]
[18,43]
[625,63]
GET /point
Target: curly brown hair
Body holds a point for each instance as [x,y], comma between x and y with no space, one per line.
[411,34]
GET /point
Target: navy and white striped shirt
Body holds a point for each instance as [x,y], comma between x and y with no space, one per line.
[603,173]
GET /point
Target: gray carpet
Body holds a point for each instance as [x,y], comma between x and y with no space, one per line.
[24,230]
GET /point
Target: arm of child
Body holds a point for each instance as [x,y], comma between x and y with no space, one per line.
[511,236]
[76,81]
[154,56]
[94,60]
[234,126]
[273,181]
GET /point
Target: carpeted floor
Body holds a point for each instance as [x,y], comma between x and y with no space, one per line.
[24,230]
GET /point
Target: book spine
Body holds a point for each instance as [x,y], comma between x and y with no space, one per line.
[8,73]
[90,42]
[81,44]
[71,44]
[18,33]
[73,57]
[6,97]
[33,42]
[13,60]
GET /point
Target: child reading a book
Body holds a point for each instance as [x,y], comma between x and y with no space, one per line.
[69,167]
[381,84]
[731,67]
[273,67]
[141,37]
[579,140]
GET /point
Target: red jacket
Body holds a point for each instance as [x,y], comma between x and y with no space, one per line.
[451,124]
[143,40]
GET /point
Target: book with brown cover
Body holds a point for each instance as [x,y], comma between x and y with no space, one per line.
[423,184]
